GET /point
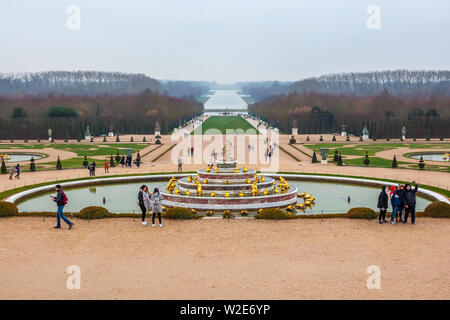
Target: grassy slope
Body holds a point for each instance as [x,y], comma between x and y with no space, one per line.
[222,123]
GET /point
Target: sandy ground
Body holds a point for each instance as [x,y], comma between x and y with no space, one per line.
[217,259]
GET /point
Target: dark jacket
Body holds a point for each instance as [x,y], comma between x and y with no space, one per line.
[383,198]
[59,198]
[409,196]
[140,198]
[397,198]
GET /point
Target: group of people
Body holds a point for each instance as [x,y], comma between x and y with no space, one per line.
[128,160]
[14,170]
[147,201]
[150,201]
[403,202]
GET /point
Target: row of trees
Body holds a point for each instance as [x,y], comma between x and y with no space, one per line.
[29,117]
[383,114]
[397,82]
[94,83]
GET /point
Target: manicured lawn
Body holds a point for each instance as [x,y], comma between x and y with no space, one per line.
[82,149]
[85,149]
[72,163]
[220,125]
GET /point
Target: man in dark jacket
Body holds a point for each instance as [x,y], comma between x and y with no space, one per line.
[61,201]
[409,199]
[383,204]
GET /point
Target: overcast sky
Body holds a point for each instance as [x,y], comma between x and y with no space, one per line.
[224,40]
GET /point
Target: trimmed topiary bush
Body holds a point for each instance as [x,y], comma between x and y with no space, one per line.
[438,209]
[292,140]
[179,213]
[32,164]
[274,214]
[314,158]
[58,164]
[157,141]
[93,212]
[4,166]
[361,213]
[8,209]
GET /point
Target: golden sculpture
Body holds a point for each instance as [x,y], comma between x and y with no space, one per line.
[199,189]
[255,190]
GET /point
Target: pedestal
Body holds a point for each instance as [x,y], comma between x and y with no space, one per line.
[324,161]
[294,131]
[343,134]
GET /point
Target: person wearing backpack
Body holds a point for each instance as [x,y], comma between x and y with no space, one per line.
[156,199]
[61,201]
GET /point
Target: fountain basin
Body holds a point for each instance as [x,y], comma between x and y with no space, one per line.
[231,203]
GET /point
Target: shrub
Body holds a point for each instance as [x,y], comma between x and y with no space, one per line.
[361,213]
[93,212]
[8,209]
[438,209]
[274,214]
[58,164]
[131,139]
[111,162]
[228,215]
[314,158]
[179,213]
[85,162]
[421,163]
[4,166]
[321,138]
[292,140]
[394,162]
[157,141]
[117,138]
[334,138]
[32,164]
[366,160]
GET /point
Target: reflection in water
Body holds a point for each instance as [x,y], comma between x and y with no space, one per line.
[223,99]
[117,198]
[431,157]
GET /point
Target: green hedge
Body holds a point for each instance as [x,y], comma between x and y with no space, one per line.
[438,209]
[179,213]
[8,209]
[93,212]
[274,214]
[361,213]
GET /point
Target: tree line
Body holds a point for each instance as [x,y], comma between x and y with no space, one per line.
[398,82]
[94,83]
[29,116]
[384,114]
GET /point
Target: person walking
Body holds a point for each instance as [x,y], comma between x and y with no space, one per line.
[122,161]
[17,170]
[383,204]
[409,197]
[192,151]
[396,201]
[12,170]
[180,165]
[142,203]
[156,199]
[61,201]
[106,166]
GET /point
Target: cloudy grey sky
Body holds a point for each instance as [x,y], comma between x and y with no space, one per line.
[224,40]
